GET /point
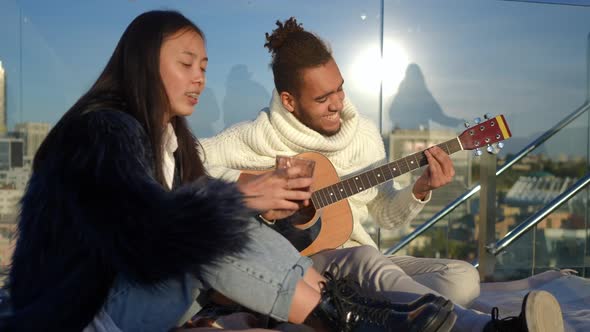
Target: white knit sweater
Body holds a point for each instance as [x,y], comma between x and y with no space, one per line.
[355,148]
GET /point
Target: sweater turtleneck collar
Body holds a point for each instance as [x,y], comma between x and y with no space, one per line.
[301,138]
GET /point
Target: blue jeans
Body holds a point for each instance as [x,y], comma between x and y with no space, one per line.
[262,278]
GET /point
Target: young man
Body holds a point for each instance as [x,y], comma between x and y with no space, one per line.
[309,112]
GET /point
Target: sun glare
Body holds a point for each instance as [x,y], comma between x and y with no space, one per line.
[369,69]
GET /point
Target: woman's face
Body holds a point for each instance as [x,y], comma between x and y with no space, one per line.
[183,62]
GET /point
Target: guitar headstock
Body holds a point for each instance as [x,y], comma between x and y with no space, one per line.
[484,134]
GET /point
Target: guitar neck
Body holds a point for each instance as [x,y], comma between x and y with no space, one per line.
[363,181]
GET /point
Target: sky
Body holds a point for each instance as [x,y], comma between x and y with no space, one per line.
[522,59]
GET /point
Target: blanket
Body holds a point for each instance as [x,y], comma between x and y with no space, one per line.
[572,292]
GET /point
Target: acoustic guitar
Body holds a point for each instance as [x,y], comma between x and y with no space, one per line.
[327,222]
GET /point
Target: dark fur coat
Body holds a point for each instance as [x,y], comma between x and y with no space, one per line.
[93,210]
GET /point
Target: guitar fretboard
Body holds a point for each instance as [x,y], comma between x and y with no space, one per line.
[363,181]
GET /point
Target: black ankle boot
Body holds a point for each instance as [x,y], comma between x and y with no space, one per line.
[350,313]
[348,287]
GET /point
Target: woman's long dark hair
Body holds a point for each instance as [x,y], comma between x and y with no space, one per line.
[131,82]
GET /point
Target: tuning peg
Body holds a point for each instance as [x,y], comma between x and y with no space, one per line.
[490,149]
[477,120]
[477,152]
[488,116]
[467,125]
[500,145]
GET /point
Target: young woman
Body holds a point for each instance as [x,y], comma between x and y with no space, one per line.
[121,228]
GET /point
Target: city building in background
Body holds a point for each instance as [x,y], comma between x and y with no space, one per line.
[11,153]
[7,240]
[16,151]
[33,134]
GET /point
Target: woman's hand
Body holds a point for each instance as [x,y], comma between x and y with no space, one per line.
[277,194]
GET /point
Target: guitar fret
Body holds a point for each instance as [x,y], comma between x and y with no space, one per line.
[333,193]
[353,185]
[422,160]
[375,181]
[315,198]
[340,190]
[400,169]
[403,167]
[395,170]
[337,195]
[349,188]
[323,197]
[389,174]
[318,195]
[366,183]
[357,184]
[378,174]
[357,187]
[327,195]
[330,195]
[447,150]
[414,162]
[316,203]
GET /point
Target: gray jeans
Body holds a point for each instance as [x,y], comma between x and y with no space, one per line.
[405,278]
[262,278]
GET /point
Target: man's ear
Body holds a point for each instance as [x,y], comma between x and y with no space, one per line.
[288,101]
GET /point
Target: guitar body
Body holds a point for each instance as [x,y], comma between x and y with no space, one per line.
[335,219]
[310,230]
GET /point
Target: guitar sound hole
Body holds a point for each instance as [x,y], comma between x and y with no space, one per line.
[303,218]
[301,228]
[299,238]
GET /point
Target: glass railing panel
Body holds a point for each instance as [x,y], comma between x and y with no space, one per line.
[447,80]
[463,230]
[51,54]
[587,249]
[559,241]
[433,243]
[405,142]
[436,78]
[523,189]
[517,263]
[452,237]
[60,58]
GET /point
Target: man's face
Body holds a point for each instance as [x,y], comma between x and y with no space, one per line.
[320,99]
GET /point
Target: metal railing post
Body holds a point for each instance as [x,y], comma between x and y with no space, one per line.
[588,68]
[487,216]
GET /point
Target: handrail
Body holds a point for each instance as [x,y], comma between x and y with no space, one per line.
[525,226]
[465,196]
